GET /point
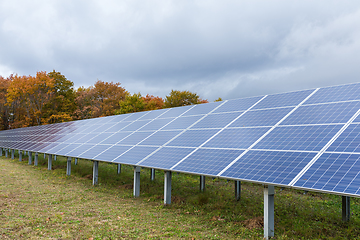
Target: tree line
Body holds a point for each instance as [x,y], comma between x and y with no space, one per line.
[51,98]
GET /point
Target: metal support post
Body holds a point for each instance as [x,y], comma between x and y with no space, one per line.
[1,150]
[44,155]
[20,155]
[6,152]
[12,153]
[152,174]
[49,162]
[345,208]
[268,211]
[202,183]
[237,190]
[76,161]
[54,157]
[118,168]
[95,172]
[36,159]
[30,158]
[137,181]
[68,166]
[167,188]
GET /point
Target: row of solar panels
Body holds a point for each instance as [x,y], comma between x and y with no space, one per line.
[307,139]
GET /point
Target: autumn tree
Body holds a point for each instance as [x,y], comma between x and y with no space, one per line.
[30,95]
[62,104]
[182,98]
[153,103]
[102,99]
[4,108]
[132,103]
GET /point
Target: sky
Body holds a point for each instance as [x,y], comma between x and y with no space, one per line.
[228,49]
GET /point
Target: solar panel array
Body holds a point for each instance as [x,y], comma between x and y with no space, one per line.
[306,139]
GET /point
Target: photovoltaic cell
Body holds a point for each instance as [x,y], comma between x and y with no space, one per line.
[216,120]
[268,117]
[305,138]
[192,138]
[135,125]
[175,112]
[208,161]
[117,127]
[160,138]
[348,141]
[115,138]
[135,138]
[200,109]
[135,154]
[269,166]
[79,150]
[94,151]
[322,114]
[182,122]
[156,124]
[333,172]
[99,138]
[236,138]
[112,153]
[65,150]
[237,105]
[336,94]
[283,99]
[166,157]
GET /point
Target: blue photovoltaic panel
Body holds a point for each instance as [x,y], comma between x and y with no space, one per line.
[94,151]
[65,150]
[323,113]
[208,161]
[166,157]
[237,105]
[305,138]
[216,120]
[115,138]
[135,116]
[154,114]
[236,138]
[58,147]
[336,94]
[202,109]
[192,138]
[79,150]
[135,125]
[160,138]
[117,127]
[156,124]
[48,147]
[99,138]
[269,166]
[268,117]
[348,141]
[112,153]
[283,99]
[85,138]
[135,155]
[333,172]
[135,138]
[182,122]
[176,112]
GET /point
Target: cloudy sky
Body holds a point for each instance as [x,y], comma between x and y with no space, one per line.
[227,49]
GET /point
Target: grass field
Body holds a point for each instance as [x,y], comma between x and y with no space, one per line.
[39,204]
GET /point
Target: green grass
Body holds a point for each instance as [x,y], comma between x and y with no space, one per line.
[36,203]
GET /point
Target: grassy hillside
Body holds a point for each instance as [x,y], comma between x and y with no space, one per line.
[36,203]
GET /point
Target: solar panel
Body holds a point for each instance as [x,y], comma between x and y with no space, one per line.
[306,139]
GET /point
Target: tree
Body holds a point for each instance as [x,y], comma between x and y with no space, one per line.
[153,103]
[28,95]
[132,103]
[218,100]
[182,98]
[4,108]
[62,103]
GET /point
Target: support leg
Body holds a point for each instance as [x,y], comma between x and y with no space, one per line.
[76,161]
[269,211]
[202,183]
[6,153]
[152,174]
[1,150]
[237,190]
[30,158]
[68,166]
[95,172]
[12,153]
[36,159]
[167,188]
[137,181]
[49,162]
[20,155]
[118,168]
[345,208]
[55,157]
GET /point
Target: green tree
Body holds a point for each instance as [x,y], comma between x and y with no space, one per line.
[218,100]
[182,98]
[132,103]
